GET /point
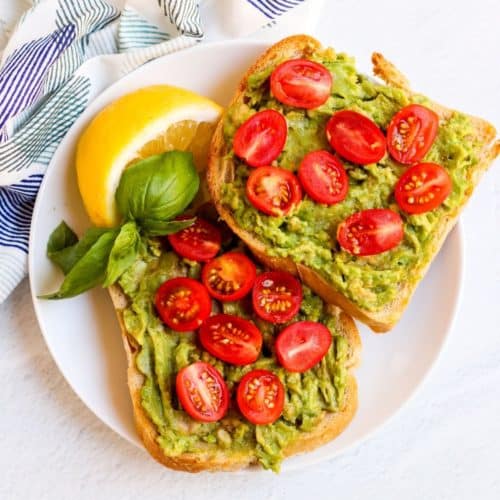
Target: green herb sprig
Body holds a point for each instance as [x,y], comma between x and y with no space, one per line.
[150,194]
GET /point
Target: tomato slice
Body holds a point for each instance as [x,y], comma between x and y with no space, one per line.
[273,191]
[422,187]
[355,137]
[232,339]
[370,232]
[302,345]
[183,304]
[260,140]
[301,83]
[276,296]
[229,277]
[411,133]
[323,177]
[199,242]
[202,392]
[260,397]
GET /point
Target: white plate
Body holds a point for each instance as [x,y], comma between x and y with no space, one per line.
[83,334]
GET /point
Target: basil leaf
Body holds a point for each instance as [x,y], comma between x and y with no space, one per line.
[157,188]
[124,252]
[62,237]
[90,269]
[64,249]
[160,228]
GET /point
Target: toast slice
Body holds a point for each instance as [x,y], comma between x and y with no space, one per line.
[221,171]
[214,458]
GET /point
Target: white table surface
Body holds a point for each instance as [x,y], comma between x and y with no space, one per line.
[445,444]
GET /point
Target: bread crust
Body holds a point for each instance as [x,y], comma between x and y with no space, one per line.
[220,170]
[330,426]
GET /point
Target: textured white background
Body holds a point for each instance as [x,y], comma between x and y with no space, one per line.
[445,444]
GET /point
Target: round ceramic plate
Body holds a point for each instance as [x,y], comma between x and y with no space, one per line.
[83,334]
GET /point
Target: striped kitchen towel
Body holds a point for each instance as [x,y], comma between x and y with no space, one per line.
[60,55]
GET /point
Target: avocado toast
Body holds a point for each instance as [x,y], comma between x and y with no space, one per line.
[228,364]
[306,241]
[319,403]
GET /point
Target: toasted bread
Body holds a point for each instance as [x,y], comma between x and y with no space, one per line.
[221,169]
[330,426]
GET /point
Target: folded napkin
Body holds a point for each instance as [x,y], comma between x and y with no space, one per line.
[62,53]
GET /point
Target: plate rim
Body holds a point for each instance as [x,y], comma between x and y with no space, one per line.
[135,440]
[450,326]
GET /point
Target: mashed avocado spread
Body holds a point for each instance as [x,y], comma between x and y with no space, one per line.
[307,235]
[163,352]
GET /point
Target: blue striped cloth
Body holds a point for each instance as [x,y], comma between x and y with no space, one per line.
[274,8]
[52,68]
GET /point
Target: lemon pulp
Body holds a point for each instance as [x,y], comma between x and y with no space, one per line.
[146,122]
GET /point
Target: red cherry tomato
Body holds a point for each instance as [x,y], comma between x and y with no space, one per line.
[273,191]
[301,83]
[355,137]
[183,304]
[422,187]
[202,392]
[302,345]
[276,296]
[411,133]
[260,140]
[323,177]
[370,232]
[199,242]
[232,339]
[229,277]
[260,397]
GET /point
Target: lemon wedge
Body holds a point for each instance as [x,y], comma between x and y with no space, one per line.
[148,121]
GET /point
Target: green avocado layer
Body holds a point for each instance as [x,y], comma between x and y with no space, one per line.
[163,352]
[307,235]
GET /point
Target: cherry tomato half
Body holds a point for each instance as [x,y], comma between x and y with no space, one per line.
[273,191]
[422,187]
[370,232]
[323,177]
[302,345]
[411,133]
[183,304]
[276,296]
[301,83]
[232,339]
[229,277]
[260,397]
[355,137]
[260,140]
[202,392]
[199,242]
